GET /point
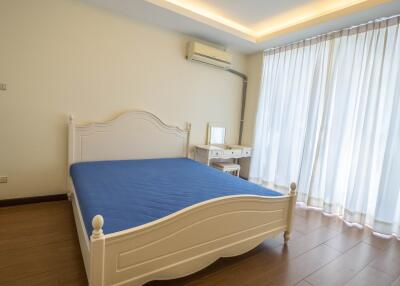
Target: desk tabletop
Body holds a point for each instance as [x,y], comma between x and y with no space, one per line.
[222,147]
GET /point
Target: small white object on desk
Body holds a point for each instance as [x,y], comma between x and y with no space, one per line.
[205,153]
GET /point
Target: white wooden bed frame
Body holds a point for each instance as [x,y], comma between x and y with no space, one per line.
[181,243]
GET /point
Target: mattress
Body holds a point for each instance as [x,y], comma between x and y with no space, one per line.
[130,193]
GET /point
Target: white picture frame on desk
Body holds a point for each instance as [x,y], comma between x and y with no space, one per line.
[216,134]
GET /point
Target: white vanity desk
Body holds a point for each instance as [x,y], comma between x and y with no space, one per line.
[205,153]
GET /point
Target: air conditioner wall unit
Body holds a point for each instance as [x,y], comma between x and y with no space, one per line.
[209,55]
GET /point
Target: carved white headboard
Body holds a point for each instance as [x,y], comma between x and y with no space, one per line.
[131,135]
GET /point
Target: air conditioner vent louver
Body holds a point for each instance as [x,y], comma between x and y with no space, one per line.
[209,55]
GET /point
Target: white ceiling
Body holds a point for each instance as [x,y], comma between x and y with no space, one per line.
[252,25]
[249,13]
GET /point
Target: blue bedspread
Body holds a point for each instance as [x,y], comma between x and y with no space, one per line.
[130,193]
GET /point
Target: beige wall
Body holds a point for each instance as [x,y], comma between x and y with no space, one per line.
[61,56]
[254,71]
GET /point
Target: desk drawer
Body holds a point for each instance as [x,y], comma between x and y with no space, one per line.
[232,153]
[246,153]
[216,153]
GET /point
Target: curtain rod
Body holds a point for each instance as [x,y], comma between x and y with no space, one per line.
[333,32]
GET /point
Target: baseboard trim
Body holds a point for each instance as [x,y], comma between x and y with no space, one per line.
[32,200]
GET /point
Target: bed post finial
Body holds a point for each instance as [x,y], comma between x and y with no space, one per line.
[293,188]
[97,223]
[71,118]
[97,250]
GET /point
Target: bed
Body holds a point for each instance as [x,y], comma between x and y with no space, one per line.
[145,211]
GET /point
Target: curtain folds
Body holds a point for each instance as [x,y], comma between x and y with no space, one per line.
[329,119]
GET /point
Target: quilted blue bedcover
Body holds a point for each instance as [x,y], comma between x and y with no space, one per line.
[129,193]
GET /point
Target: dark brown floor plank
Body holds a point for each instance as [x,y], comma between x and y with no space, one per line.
[309,241]
[346,240]
[389,260]
[39,246]
[344,268]
[296,269]
[45,278]
[370,277]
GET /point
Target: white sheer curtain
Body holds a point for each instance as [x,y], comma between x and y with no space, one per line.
[329,119]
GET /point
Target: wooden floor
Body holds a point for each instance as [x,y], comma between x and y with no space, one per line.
[38,246]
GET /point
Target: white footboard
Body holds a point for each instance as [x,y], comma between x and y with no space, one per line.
[187,241]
